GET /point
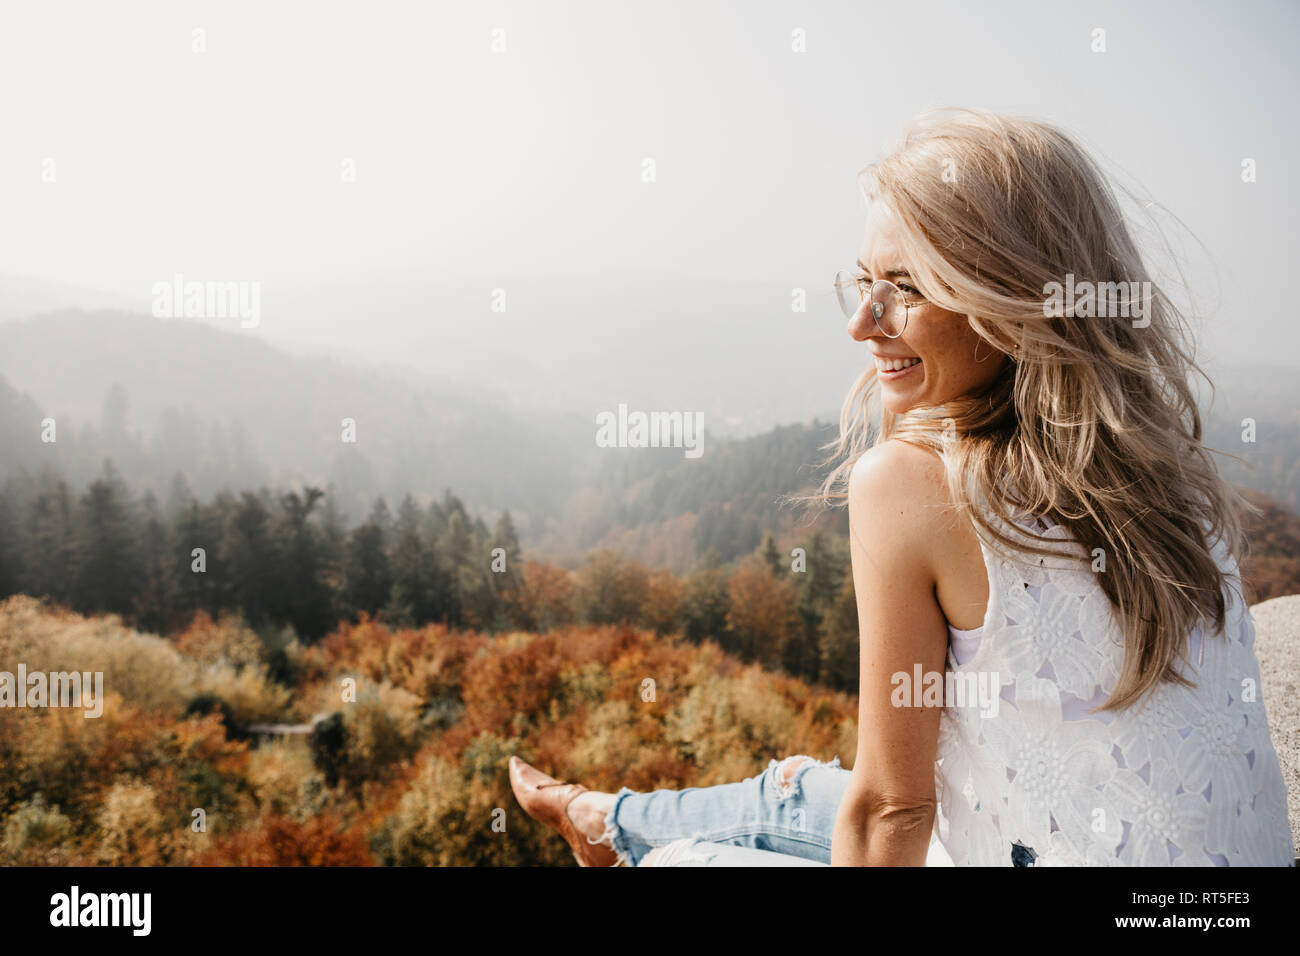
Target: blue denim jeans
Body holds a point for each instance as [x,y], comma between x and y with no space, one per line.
[785,816]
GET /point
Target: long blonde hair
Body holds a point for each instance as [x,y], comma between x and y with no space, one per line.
[1094,424]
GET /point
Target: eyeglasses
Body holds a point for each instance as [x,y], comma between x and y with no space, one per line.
[889,305]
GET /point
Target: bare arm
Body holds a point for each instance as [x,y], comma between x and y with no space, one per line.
[895,504]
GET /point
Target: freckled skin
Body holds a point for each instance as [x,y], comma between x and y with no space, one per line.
[955,361]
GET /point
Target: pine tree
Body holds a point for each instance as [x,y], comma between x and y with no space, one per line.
[305,600]
[418,593]
[507,581]
[47,542]
[249,552]
[108,567]
[705,606]
[826,566]
[839,641]
[10,555]
[156,601]
[367,576]
[456,548]
[772,557]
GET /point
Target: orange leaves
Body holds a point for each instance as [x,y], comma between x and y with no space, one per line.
[545,599]
[422,660]
[517,675]
[763,611]
[421,746]
[209,642]
[280,841]
[663,605]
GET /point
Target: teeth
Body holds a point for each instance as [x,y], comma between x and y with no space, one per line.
[894,365]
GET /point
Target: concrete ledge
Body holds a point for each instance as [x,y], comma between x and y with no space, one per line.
[1277,645]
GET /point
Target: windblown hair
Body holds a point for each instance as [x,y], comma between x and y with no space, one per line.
[1094,424]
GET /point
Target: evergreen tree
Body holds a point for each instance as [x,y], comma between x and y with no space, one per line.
[305,599]
[819,586]
[200,526]
[108,568]
[839,641]
[418,593]
[48,545]
[367,578]
[772,557]
[506,583]
[156,599]
[705,606]
[10,553]
[250,554]
[332,543]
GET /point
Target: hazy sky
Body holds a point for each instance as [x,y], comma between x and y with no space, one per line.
[474,165]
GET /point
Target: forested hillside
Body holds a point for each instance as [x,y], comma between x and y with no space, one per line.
[289,566]
[167,398]
[335,695]
[292,569]
[162,398]
[405,761]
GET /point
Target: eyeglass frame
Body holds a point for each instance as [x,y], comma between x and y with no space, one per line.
[869,298]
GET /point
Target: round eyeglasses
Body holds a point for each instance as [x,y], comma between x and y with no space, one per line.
[888,303]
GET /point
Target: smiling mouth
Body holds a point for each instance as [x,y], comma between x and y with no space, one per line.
[896,365]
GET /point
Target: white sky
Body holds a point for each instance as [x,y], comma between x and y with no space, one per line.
[480,165]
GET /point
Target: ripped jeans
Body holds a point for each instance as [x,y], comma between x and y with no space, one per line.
[785,816]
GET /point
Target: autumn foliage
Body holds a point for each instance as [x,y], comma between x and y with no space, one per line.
[399,742]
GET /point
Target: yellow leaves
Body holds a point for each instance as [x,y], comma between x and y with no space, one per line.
[33,835]
[248,691]
[209,643]
[141,668]
[426,791]
[128,826]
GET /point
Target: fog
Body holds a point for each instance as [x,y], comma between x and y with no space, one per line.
[576,204]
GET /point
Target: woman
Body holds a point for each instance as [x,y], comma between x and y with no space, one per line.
[1056,659]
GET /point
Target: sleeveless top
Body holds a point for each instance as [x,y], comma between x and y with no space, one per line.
[1184,777]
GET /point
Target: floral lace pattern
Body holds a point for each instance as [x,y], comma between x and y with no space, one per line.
[1186,777]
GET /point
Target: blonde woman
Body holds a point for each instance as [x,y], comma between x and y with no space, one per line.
[1056,658]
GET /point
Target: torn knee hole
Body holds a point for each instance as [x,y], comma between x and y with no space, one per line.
[788,772]
[790,766]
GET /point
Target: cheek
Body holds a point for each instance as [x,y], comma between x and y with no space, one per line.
[951,348]
[947,341]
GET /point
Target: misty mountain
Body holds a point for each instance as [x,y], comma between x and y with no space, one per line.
[738,352]
[23,296]
[229,411]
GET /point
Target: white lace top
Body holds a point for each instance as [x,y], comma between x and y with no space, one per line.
[1187,777]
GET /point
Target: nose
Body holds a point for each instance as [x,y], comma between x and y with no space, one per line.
[863,325]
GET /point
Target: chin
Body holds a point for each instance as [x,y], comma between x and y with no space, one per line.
[899,408]
[899,403]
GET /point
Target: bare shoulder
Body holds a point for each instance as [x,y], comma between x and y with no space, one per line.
[902,474]
[898,498]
